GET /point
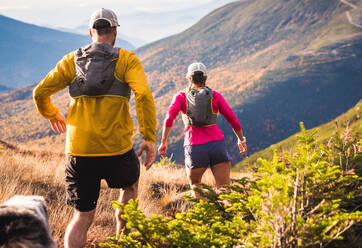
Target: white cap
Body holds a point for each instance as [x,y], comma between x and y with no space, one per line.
[103,14]
[196,67]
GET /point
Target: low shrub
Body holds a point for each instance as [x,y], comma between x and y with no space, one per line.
[308,198]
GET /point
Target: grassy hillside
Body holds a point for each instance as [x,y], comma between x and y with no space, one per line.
[24,172]
[276,62]
[28,52]
[161,189]
[352,118]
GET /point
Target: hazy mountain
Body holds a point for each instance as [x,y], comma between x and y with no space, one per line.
[276,62]
[28,52]
[4,88]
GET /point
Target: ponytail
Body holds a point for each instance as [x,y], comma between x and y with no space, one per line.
[198,78]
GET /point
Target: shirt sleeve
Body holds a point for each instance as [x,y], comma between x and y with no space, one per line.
[175,107]
[227,112]
[145,106]
[56,80]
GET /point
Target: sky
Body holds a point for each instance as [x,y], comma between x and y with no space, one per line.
[141,21]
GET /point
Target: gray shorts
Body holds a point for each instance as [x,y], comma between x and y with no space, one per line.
[206,155]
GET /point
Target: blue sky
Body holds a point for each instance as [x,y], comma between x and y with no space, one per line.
[145,20]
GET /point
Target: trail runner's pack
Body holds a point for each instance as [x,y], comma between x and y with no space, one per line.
[95,64]
[199,111]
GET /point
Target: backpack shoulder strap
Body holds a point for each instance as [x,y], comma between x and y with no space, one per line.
[120,68]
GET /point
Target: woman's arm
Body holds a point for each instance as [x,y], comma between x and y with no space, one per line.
[162,149]
[229,115]
[173,111]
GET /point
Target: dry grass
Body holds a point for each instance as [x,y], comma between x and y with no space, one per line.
[42,173]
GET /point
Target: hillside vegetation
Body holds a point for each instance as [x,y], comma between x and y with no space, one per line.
[276,62]
[26,172]
[351,119]
[308,198]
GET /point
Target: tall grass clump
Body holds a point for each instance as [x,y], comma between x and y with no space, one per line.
[310,197]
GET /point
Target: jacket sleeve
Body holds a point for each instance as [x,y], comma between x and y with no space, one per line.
[145,107]
[227,112]
[56,80]
[174,110]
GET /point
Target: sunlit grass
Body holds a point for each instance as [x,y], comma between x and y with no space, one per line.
[42,173]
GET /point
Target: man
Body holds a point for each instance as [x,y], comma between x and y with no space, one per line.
[99,126]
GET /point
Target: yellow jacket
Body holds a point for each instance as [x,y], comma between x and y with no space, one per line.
[102,125]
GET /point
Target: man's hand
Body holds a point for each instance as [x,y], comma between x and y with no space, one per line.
[150,153]
[58,123]
[162,149]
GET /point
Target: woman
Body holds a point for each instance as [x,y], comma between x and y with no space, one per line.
[204,142]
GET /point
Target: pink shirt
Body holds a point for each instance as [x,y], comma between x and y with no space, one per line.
[202,135]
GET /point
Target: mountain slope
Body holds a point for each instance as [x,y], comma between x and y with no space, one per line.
[276,62]
[28,52]
[352,118]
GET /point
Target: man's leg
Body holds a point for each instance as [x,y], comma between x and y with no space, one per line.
[126,194]
[195,176]
[76,233]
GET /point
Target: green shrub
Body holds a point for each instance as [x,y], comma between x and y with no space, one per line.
[165,161]
[309,198]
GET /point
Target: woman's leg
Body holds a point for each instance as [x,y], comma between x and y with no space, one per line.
[195,176]
[221,174]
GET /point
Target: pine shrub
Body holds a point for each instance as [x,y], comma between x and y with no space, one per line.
[308,198]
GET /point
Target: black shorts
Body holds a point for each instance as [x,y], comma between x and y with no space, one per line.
[84,174]
[206,155]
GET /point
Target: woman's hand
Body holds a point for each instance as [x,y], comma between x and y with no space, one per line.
[242,146]
[162,149]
